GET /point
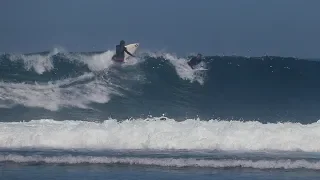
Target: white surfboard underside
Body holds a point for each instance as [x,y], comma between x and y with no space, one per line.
[132,49]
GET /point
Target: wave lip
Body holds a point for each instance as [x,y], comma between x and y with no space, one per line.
[40,63]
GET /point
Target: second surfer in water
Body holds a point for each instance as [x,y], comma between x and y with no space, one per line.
[120,50]
[195,61]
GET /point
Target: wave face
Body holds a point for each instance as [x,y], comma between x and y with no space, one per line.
[88,86]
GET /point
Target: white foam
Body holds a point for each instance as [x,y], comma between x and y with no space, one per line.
[98,62]
[182,68]
[103,61]
[95,62]
[69,92]
[156,134]
[166,162]
[39,63]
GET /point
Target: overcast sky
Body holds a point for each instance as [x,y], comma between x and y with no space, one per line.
[213,27]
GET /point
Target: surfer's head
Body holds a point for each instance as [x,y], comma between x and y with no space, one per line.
[199,55]
[122,42]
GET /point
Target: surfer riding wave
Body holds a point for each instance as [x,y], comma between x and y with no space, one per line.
[120,50]
[195,61]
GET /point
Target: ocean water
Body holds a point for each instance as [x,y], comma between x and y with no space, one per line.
[73,115]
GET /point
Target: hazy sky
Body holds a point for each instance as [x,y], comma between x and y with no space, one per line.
[213,27]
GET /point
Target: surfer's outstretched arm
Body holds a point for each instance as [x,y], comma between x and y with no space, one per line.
[125,49]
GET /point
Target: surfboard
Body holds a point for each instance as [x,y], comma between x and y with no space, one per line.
[132,48]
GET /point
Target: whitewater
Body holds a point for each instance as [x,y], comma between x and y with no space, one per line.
[79,110]
[161,135]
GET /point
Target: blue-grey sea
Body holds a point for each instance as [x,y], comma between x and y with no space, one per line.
[74,115]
